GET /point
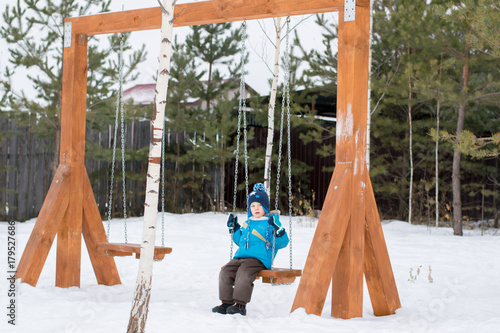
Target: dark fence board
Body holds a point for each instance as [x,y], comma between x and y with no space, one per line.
[30,176]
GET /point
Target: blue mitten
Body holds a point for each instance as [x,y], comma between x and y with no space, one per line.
[274,221]
[232,223]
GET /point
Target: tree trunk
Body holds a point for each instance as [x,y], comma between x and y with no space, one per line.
[222,183]
[222,192]
[142,293]
[270,114]
[437,143]
[410,96]
[457,201]
[55,161]
[410,189]
[437,162]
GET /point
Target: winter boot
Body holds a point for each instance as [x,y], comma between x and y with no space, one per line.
[221,308]
[237,308]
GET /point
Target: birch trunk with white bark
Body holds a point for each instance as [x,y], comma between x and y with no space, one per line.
[410,97]
[437,143]
[410,197]
[142,293]
[270,114]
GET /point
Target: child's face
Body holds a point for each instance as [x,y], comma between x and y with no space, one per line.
[256,209]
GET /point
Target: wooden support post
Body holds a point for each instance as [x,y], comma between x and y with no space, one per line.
[65,212]
[93,233]
[69,236]
[357,245]
[377,265]
[43,234]
[326,244]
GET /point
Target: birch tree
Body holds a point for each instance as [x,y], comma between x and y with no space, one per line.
[270,114]
[142,293]
[410,125]
[436,171]
[214,47]
[33,31]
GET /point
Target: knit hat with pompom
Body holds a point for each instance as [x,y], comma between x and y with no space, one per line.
[259,195]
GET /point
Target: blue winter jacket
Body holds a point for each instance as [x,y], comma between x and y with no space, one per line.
[255,240]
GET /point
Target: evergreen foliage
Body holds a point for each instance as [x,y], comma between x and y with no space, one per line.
[417,64]
[210,52]
[34,31]
[419,54]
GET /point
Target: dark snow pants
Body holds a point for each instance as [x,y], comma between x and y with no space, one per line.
[236,280]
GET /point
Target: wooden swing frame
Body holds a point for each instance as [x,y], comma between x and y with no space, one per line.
[348,242]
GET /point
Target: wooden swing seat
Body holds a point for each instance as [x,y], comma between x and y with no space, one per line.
[279,275]
[127,249]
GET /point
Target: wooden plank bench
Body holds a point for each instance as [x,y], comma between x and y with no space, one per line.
[279,275]
[127,249]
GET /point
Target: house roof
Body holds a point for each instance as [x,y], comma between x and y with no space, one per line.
[144,94]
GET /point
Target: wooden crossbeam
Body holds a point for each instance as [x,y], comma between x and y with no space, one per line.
[205,12]
[349,240]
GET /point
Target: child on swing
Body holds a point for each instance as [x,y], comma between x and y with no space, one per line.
[255,252]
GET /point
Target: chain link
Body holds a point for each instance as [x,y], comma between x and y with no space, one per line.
[163,187]
[280,145]
[289,151]
[119,109]
[285,102]
[243,103]
[122,122]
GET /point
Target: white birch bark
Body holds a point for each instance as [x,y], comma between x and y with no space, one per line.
[270,114]
[411,167]
[410,97]
[142,293]
[437,144]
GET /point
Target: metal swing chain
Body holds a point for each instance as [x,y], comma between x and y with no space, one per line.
[285,100]
[123,143]
[119,107]
[163,187]
[241,107]
[289,146]
[278,170]
[243,103]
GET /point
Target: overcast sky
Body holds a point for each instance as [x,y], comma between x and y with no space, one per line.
[261,51]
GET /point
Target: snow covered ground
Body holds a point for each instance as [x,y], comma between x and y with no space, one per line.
[456,289]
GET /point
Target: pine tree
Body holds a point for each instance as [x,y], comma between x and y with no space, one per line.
[34,30]
[416,67]
[476,85]
[483,17]
[184,84]
[215,47]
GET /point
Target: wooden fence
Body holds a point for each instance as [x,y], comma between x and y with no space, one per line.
[26,173]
